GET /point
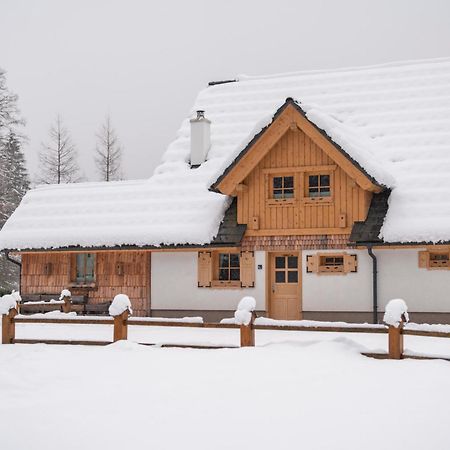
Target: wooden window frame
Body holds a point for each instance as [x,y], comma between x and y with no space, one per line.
[318,200]
[350,264]
[73,272]
[216,282]
[425,259]
[289,201]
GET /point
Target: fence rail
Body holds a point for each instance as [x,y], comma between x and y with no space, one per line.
[247,332]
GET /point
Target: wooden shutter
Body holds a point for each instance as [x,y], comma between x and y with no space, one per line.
[423,259]
[312,263]
[204,269]
[48,268]
[350,263]
[247,264]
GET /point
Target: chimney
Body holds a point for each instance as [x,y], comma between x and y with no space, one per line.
[200,139]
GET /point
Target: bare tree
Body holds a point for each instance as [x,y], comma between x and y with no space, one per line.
[108,152]
[58,158]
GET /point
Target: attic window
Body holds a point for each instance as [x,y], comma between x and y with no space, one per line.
[283,187]
[319,185]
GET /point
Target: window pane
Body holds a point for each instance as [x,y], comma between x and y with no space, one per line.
[339,261]
[325,192]
[292,276]
[280,262]
[277,193]
[90,267]
[235,274]
[314,192]
[313,181]
[324,180]
[288,182]
[288,193]
[234,260]
[224,260]
[224,275]
[277,182]
[280,276]
[80,267]
[292,262]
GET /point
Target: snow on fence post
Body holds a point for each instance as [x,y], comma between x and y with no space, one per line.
[66,296]
[245,316]
[120,309]
[395,316]
[8,310]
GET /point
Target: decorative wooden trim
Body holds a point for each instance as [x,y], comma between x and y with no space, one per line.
[270,137]
[350,263]
[280,170]
[425,262]
[298,232]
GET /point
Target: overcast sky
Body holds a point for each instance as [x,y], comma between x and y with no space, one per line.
[145,61]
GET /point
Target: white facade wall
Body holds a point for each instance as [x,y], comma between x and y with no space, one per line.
[349,292]
[174,285]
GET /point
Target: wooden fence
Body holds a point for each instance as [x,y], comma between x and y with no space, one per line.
[247,332]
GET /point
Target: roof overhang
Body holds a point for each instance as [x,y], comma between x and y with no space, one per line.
[289,115]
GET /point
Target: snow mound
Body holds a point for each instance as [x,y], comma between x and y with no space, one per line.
[65,293]
[120,304]
[245,309]
[7,302]
[396,312]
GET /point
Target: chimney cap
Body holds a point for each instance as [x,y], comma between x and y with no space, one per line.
[200,116]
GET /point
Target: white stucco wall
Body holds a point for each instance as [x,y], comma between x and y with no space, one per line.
[350,292]
[400,277]
[174,285]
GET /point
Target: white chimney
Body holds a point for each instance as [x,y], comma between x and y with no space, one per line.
[200,138]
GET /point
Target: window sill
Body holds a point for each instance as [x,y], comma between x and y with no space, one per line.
[314,201]
[217,284]
[281,202]
[83,286]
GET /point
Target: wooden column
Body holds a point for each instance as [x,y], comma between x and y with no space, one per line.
[9,327]
[67,307]
[396,341]
[248,333]
[121,326]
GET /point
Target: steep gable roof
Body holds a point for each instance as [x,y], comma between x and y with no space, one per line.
[288,115]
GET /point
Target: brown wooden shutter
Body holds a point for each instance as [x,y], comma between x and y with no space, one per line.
[204,269]
[423,259]
[247,269]
[350,263]
[312,263]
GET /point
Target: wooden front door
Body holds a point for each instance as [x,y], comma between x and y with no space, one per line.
[285,286]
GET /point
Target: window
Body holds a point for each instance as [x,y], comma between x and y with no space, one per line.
[286,269]
[229,267]
[331,263]
[283,187]
[439,259]
[85,268]
[435,259]
[319,186]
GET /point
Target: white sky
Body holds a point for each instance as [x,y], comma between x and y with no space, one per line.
[145,61]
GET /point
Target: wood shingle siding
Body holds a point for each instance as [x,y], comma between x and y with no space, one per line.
[134,282]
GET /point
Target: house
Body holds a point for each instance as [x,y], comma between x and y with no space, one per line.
[323,194]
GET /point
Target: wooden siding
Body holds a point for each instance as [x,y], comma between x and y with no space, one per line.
[135,281]
[295,153]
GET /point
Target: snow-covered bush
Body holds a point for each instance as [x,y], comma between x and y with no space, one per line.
[65,293]
[8,301]
[244,312]
[396,312]
[120,304]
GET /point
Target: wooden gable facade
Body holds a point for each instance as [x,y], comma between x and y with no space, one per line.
[293,148]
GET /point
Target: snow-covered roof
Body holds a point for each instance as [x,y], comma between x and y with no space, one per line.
[393,119]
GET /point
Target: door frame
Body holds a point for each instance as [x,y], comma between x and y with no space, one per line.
[268,276]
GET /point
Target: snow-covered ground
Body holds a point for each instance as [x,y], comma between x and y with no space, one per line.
[295,389]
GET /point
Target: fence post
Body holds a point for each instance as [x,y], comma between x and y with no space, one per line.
[248,333]
[396,341]
[67,307]
[9,327]
[121,326]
